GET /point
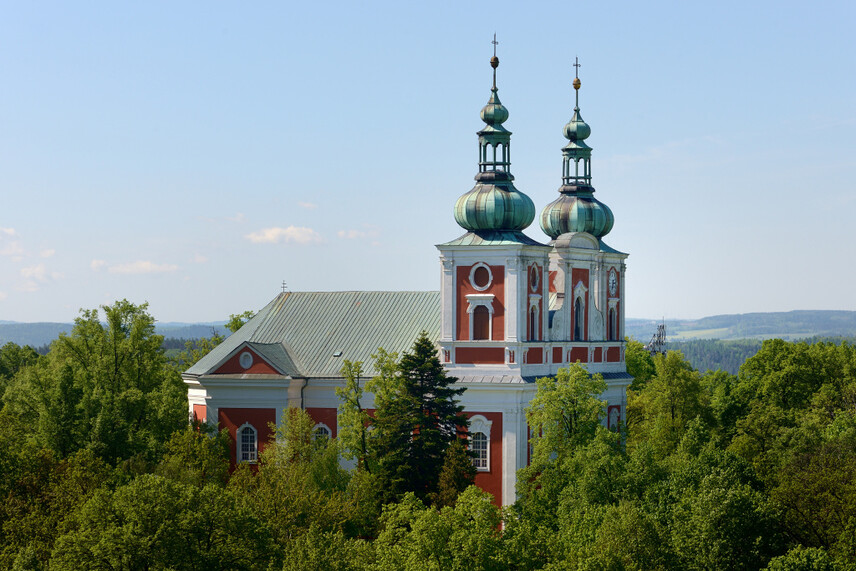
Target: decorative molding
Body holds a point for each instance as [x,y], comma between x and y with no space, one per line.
[580,291]
[479,423]
[448,264]
[473,274]
[534,298]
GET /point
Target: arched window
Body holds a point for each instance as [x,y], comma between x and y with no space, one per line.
[478,444]
[613,325]
[579,319]
[481,322]
[321,432]
[248,444]
[533,324]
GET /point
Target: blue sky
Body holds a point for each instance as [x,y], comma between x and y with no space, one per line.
[194,155]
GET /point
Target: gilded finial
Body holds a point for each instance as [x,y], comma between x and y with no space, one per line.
[494,61]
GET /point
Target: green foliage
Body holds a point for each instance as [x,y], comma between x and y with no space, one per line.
[353,420]
[716,354]
[104,387]
[156,523]
[194,350]
[564,413]
[456,475]
[236,321]
[802,559]
[417,417]
[299,483]
[640,364]
[195,456]
[317,550]
[463,537]
[663,409]
[39,493]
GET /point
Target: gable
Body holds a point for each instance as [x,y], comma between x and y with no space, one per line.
[235,365]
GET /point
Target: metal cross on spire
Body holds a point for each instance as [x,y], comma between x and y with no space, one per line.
[577,65]
[494,61]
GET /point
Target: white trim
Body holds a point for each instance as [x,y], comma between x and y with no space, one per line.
[245,359]
[481,425]
[475,300]
[473,275]
[321,426]
[239,452]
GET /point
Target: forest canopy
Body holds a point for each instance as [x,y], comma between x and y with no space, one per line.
[101,469]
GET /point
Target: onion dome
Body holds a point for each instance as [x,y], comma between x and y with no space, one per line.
[494,204]
[576,209]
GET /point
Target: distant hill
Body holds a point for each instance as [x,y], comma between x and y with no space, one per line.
[789,325]
[39,334]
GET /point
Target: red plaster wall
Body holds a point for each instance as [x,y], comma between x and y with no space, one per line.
[598,354]
[553,281]
[535,355]
[613,354]
[463,287]
[233,367]
[579,354]
[491,481]
[325,415]
[233,418]
[557,354]
[199,412]
[479,355]
[580,274]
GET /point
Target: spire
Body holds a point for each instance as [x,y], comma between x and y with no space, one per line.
[494,204]
[576,209]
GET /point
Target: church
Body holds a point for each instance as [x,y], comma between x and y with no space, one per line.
[510,309]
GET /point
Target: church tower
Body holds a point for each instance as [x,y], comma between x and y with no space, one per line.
[586,275]
[493,290]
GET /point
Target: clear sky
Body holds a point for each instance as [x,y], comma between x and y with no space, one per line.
[196,154]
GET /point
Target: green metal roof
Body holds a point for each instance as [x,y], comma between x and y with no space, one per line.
[299,332]
[493,238]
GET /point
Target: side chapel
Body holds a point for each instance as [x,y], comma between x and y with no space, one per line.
[510,309]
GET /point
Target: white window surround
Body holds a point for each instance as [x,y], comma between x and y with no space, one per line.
[473,276]
[322,430]
[580,291]
[484,299]
[247,448]
[245,360]
[480,425]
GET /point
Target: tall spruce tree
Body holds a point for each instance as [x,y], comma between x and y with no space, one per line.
[417,424]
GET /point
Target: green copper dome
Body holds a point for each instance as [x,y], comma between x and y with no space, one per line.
[494,204]
[576,209]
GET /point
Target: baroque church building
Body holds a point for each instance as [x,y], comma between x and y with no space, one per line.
[510,309]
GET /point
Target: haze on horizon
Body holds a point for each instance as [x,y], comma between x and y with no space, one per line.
[196,156]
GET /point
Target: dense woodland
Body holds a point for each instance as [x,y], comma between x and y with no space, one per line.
[100,469]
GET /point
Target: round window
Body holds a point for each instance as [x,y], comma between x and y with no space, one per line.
[480,277]
[246,360]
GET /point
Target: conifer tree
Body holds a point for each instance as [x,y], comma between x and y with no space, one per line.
[417,424]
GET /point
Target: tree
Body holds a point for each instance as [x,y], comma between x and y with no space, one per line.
[564,413]
[669,401]
[156,523]
[417,417]
[106,387]
[236,321]
[353,419]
